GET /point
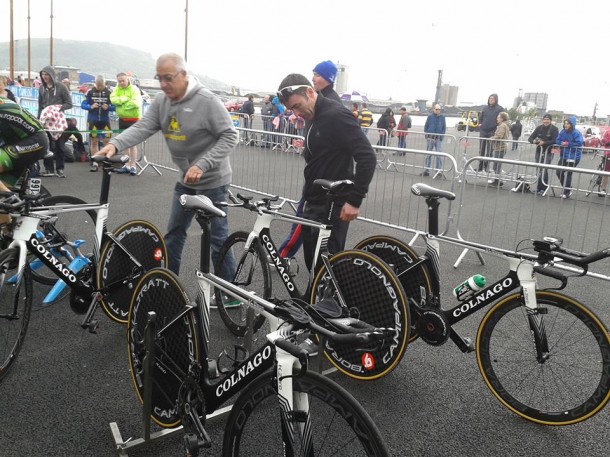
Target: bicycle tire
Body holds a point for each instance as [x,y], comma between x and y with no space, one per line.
[254,421]
[252,273]
[144,241]
[579,354]
[400,256]
[596,181]
[15,309]
[374,295]
[159,290]
[71,225]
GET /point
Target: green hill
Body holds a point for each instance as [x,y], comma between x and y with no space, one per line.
[89,56]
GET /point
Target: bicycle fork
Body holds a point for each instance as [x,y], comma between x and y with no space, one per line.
[535,313]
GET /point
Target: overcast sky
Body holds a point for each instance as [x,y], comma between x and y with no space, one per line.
[392,49]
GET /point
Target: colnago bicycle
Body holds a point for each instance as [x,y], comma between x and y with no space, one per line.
[282,409]
[543,354]
[364,286]
[595,184]
[104,277]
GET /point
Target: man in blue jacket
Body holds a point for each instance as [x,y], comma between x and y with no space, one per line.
[434,128]
[97,103]
[571,141]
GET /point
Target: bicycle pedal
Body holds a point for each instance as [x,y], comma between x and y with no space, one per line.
[469,344]
[93,326]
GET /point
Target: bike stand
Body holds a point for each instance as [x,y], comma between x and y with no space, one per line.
[124,446]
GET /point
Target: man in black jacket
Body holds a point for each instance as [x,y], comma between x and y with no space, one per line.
[544,137]
[487,125]
[324,76]
[334,142]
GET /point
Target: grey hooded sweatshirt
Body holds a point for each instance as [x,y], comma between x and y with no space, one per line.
[197,130]
[58,94]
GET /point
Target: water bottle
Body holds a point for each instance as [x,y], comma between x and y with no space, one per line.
[472,284]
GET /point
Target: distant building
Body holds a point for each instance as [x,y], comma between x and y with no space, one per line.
[539,99]
[341,82]
[448,95]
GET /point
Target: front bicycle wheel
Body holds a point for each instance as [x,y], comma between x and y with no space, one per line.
[72,226]
[373,294]
[15,308]
[176,345]
[251,273]
[327,421]
[595,184]
[116,269]
[416,280]
[572,381]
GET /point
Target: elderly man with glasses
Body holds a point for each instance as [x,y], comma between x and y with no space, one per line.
[200,136]
[434,129]
[335,149]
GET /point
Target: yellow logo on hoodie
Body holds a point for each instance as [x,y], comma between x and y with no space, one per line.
[175,128]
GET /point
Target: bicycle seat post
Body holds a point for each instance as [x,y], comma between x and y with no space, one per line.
[433,205]
[205,222]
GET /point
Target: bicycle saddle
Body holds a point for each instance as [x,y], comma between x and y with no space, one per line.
[116,159]
[200,203]
[424,190]
[334,186]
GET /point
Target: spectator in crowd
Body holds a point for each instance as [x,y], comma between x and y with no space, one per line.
[335,148]
[515,131]
[200,136]
[606,144]
[19,80]
[404,124]
[247,109]
[36,83]
[500,146]
[277,121]
[365,118]
[355,110]
[324,76]
[487,127]
[53,93]
[97,103]
[385,124]
[66,82]
[544,137]
[434,129]
[78,146]
[571,141]
[4,92]
[127,100]
[266,115]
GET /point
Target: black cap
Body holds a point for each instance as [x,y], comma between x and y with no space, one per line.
[547,116]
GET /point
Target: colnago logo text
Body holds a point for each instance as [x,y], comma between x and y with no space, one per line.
[277,261]
[243,371]
[52,262]
[486,296]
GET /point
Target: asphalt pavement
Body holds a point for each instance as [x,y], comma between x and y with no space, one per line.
[68,385]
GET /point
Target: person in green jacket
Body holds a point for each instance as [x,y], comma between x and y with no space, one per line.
[127,99]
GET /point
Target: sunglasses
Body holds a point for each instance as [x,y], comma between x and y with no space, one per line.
[286,92]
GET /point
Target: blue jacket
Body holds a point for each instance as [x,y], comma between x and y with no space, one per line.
[573,150]
[435,124]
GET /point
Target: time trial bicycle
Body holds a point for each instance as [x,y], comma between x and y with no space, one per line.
[365,287]
[544,355]
[105,277]
[282,405]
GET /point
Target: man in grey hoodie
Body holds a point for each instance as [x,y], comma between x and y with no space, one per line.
[200,136]
[52,92]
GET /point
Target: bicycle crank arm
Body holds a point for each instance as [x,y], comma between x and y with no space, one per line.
[464,344]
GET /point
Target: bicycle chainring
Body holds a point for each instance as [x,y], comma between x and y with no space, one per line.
[432,326]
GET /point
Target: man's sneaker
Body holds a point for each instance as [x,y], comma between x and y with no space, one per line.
[133,171]
[60,174]
[124,170]
[47,174]
[568,195]
[94,167]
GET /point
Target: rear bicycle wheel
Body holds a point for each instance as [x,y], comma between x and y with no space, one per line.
[116,270]
[75,225]
[15,308]
[175,349]
[416,281]
[327,421]
[251,273]
[595,184]
[571,384]
[374,295]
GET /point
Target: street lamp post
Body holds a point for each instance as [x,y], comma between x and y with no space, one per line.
[29,49]
[186,29]
[51,43]
[11,47]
